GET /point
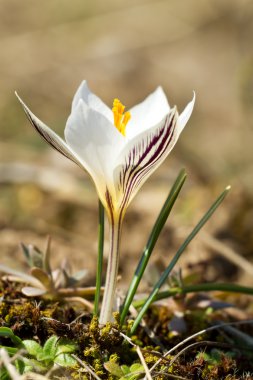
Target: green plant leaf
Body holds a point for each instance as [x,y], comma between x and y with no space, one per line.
[8,333]
[4,375]
[36,365]
[32,347]
[65,360]
[47,360]
[241,338]
[134,372]
[20,366]
[66,346]
[146,254]
[11,350]
[136,367]
[114,369]
[50,347]
[125,369]
[176,257]
[206,287]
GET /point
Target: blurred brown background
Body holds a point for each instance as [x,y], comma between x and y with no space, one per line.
[126,49]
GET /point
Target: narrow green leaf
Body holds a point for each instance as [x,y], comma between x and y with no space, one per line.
[241,338]
[158,226]
[20,366]
[4,375]
[173,262]
[222,287]
[101,219]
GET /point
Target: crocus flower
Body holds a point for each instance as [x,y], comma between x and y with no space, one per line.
[119,150]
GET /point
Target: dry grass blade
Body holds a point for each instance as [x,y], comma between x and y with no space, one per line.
[6,361]
[170,376]
[196,344]
[148,375]
[81,300]
[248,321]
[33,376]
[227,252]
[88,369]
[139,352]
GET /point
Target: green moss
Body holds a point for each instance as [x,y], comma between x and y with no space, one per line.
[100,345]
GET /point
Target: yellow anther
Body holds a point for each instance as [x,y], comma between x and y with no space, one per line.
[120,118]
[126,118]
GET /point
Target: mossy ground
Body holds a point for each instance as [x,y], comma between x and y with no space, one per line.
[211,357]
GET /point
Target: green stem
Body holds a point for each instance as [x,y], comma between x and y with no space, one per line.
[111,274]
[163,216]
[223,287]
[101,218]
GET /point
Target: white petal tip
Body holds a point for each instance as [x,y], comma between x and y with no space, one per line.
[186,114]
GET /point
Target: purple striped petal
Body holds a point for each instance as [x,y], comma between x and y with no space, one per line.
[50,136]
[145,155]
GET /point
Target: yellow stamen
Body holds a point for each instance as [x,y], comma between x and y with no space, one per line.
[120,118]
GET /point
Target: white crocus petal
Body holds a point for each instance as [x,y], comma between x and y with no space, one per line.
[50,136]
[97,142]
[142,155]
[93,101]
[148,113]
[186,114]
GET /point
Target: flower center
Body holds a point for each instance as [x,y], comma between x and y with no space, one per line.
[120,118]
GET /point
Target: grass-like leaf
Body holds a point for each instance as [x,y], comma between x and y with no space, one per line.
[158,226]
[195,288]
[173,262]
